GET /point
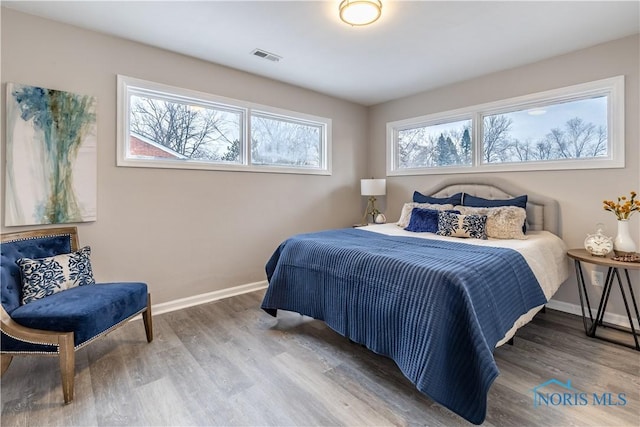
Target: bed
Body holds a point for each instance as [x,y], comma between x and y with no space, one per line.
[437,305]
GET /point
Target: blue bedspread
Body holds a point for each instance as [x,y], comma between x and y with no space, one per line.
[437,308]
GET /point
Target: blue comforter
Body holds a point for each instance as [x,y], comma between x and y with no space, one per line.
[437,308]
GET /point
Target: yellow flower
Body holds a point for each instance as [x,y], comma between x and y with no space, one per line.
[624,208]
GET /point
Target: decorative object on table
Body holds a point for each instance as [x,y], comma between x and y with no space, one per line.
[623,209]
[623,243]
[598,244]
[380,219]
[372,187]
[627,258]
[51,156]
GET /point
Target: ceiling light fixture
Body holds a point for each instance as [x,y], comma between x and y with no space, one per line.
[360,12]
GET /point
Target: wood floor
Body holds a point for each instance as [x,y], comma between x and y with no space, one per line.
[228,363]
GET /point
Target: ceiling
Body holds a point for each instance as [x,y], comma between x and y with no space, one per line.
[414,46]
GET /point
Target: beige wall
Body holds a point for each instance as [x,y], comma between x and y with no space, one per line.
[580,193]
[185,232]
[191,232]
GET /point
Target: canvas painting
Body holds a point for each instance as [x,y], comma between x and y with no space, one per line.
[51,156]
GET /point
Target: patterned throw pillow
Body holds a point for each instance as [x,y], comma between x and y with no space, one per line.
[46,276]
[457,225]
[503,222]
[405,216]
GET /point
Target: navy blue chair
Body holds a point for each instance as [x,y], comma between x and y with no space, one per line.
[61,323]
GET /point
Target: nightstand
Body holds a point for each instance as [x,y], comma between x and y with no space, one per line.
[614,270]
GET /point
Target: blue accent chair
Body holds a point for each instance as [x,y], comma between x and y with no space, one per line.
[60,324]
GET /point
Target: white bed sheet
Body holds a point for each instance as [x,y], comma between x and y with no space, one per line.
[544,252]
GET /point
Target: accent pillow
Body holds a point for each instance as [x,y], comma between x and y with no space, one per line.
[456,199]
[480,202]
[458,225]
[46,276]
[405,215]
[504,222]
[424,220]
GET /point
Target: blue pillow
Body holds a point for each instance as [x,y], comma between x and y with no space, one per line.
[479,202]
[456,199]
[424,220]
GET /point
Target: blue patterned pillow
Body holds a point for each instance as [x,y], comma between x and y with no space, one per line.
[424,220]
[46,276]
[455,225]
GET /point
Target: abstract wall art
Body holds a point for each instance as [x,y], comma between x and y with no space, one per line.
[51,156]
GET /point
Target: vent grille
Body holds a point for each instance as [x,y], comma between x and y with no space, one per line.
[266,55]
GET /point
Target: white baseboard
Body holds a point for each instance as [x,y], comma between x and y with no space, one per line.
[614,319]
[181,303]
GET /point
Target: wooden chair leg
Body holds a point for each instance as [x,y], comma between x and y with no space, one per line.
[67,365]
[6,361]
[146,318]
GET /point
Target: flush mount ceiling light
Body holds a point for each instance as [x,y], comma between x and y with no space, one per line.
[360,12]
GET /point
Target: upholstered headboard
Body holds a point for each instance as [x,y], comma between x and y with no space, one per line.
[543,213]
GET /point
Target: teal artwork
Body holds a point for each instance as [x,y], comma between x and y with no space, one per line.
[51,156]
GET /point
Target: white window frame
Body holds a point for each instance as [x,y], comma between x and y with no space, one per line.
[130,85]
[612,87]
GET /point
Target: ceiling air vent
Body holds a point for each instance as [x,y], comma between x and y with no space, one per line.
[266,55]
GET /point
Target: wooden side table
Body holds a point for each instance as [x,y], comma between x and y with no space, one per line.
[613,270]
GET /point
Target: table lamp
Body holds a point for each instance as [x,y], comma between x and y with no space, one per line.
[372,187]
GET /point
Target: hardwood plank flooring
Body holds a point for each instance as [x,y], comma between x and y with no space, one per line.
[228,363]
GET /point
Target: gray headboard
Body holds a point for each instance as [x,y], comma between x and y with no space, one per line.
[543,213]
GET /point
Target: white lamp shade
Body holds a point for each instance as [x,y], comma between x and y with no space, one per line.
[373,187]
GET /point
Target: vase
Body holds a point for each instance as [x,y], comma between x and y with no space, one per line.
[623,243]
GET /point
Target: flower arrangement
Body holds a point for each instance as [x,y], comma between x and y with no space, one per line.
[624,208]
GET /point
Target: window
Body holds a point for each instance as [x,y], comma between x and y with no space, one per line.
[577,127]
[281,141]
[181,130]
[164,126]
[434,145]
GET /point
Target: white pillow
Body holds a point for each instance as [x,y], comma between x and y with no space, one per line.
[405,215]
[503,222]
